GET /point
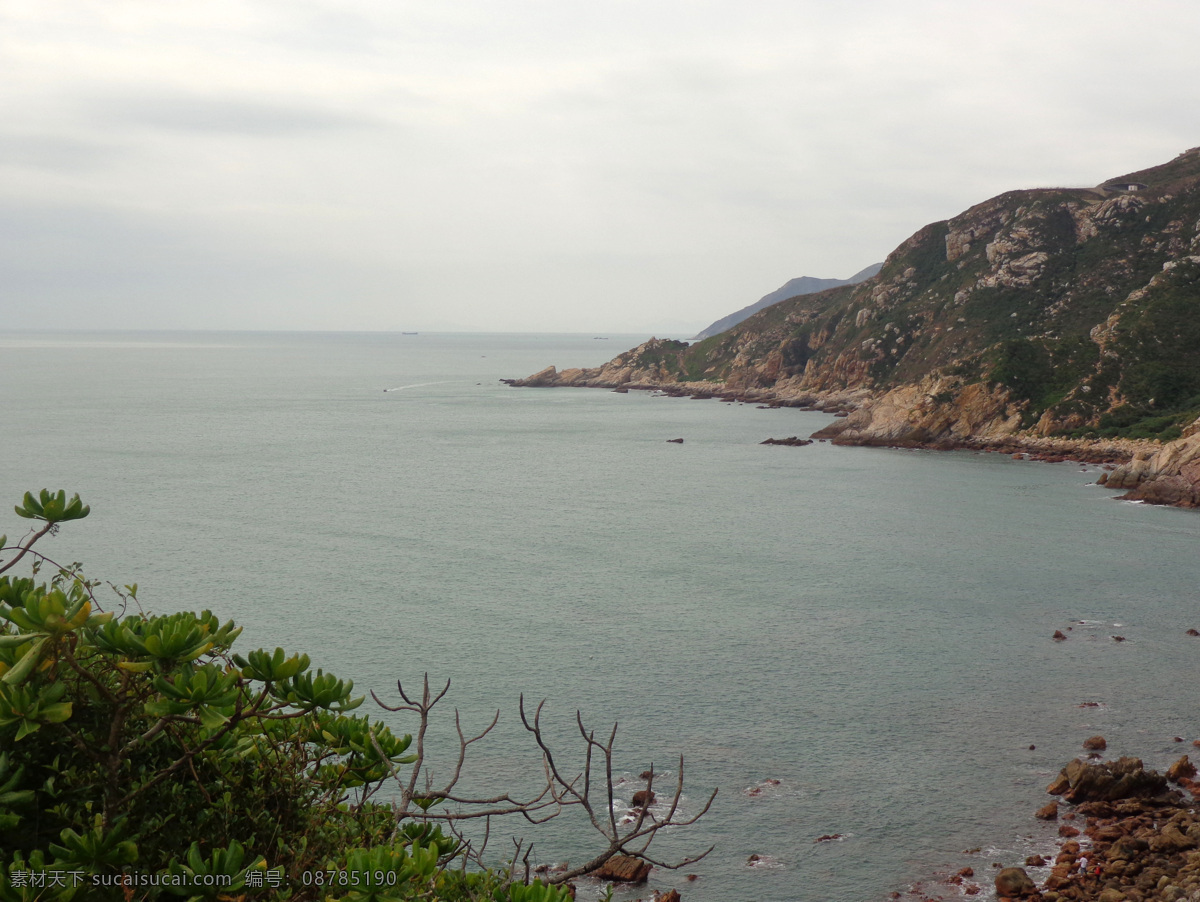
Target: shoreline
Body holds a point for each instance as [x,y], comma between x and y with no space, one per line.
[842,404]
[1125,834]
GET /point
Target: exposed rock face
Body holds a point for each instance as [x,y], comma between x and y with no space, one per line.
[1014,883]
[1142,847]
[1125,778]
[1181,770]
[1052,320]
[1170,475]
[623,869]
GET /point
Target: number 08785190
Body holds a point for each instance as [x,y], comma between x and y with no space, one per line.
[348,878]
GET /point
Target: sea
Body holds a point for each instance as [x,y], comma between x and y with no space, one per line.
[851,646]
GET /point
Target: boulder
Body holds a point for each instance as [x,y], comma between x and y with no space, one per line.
[1014,883]
[1181,769]
[643,798]
[1059,636]
[671,895]
[541,377]
[1128,848]
[1048,812]
[1060,785]
[1121,779]
[1095,744]
[623,869]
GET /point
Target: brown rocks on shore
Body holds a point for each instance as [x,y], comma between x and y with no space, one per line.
[623,869]
[1048,812]
[1014,883]
[1170,475]
[1144,838]
[1121,779]
[1181,770]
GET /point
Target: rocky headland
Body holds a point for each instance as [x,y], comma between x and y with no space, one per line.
[1059,323]
[1127,834]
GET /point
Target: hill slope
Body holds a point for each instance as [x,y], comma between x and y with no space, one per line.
[792,288]
[1035,315]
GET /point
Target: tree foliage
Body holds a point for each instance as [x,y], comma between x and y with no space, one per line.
[141,757]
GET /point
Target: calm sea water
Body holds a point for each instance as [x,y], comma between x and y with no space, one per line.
[871,628]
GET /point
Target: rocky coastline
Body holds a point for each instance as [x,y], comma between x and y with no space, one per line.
[1030,318]
[1148,470]
[1127,834]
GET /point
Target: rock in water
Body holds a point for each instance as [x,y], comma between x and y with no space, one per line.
[643,797]
[1014,883]
[1125,778]
[1095,744]
[623,869]
[1181,769]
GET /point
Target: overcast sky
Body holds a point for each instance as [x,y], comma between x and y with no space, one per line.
[537,165]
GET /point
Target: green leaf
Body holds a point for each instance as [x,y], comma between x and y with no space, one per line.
[25,666]
[11,640]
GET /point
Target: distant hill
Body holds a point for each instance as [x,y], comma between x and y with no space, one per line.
[793,288]
[1059,319]
[1069,312]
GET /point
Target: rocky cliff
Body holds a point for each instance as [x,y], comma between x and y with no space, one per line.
[1065,318]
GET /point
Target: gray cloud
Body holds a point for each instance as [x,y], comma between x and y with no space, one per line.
[53,152]
[359,164]
[222,115]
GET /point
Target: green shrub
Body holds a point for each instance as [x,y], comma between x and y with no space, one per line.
[141,754]
[141,757]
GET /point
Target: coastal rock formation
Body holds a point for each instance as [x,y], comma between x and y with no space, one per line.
[792,441]
[1170,475]
[1181,770]
[1059,322]
[623,869]
[1138,844]
[1125,778]
[643,797]
[1014,883]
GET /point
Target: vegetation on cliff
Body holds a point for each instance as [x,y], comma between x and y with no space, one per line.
[141,757]
[1075,310]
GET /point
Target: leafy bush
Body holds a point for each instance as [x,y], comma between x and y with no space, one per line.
[141,755]
[145,741]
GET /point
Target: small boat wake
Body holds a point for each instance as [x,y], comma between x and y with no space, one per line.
[423,384]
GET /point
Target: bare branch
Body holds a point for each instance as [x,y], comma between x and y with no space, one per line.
[560,792]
